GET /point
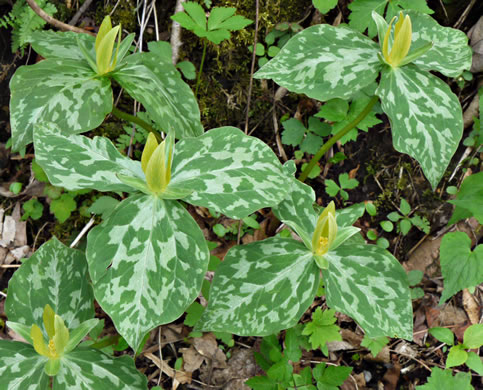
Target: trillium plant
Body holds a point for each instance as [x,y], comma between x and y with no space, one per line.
[326,62]
[266,286]
[72,86]
[147,260]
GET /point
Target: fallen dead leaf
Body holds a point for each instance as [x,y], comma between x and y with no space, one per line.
[354,382]
[207,346]
[471,307]
[178,377]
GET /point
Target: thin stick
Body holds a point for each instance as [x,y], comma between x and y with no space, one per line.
[175,39]
[54,22]
[131,118]
[252,69]
[79,13]
[82,233]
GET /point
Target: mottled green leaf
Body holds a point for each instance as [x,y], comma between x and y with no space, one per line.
[450,54]
[349,215]
[21,368]
[166,97]
[229,172]
[324,62]
[426,117]
[77,162]
[63,91]
[296,210]
[147,262]
[368,284]
[261,288]
[61,45]
[461,268]
[90,369]
[54,275]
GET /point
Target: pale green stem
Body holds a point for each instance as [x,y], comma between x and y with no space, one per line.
[325,147]
[198,80]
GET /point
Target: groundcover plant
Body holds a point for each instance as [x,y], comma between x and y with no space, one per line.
[146,261]
[326,62]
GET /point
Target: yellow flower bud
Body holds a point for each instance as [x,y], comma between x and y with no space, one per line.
[325,231]
[156,162]
[401,42]
[105,45]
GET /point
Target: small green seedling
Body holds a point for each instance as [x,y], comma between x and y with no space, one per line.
[404,222]
[345,183]
[415,276]
[458,354]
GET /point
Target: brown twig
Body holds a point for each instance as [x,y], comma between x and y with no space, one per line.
[252,69]
[80,12]
[54,22]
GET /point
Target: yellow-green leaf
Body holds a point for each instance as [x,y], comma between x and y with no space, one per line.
[39,342]
[48,318]
[149,148]
[104,51]
[106,26]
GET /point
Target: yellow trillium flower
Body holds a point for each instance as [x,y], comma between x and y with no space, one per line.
[156,162]
[325,231]
[58,336]
[401,42]
[105,45]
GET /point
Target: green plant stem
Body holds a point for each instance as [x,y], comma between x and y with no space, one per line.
[325,147]
[134,119]
[106,342]
[198,79]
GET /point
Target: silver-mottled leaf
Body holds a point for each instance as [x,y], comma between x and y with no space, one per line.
[147,263]
[349,215]
[261,288]
[63,91]
[77,162]
[160,89]
[90,369]
[297,210]
[61,45]
[324,62]
[229,172]
[368,284]
[426,117]
[21,368]
[450,54]
[56,275]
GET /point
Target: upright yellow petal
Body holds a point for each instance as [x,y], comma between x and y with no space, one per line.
[61,337]
[38,341]
[385,44]
[104,51]
[48,318]
[156,169]
[402,43]
[106,26]
[325,231]
[149,148]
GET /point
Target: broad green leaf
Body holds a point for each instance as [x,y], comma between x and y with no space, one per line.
[325,6]
[349,215]
[469,199]
[261,288]
[229,172]
[334,110]
[90,369]
[296,210]
[461,268]
[474,362]
[63,91]
[360,17]
[450,54]
[63,207]
[237,22]
[375,345]
[442,334]
[368,284]
[330,377]
[21,367]
[443,379]
[22,330]
[324,62]
[54,275]
[166,97]
[456,356]
[196,12]
[473,337]
[426,117]
[77,162]
[61,45]
[293,132]
[146,262]
[218,15]
[322,329]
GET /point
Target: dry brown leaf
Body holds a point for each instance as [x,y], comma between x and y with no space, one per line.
[354,382]
[207,346]
[179,377]
[471,306]
[192,360]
